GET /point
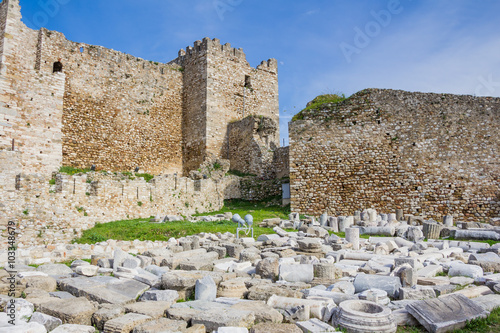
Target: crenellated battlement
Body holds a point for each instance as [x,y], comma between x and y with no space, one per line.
[270,65]
[202,47]
[214,46]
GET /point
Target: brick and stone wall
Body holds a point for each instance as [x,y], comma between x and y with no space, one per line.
[430,154]
[120,112]
[117,111]
[57,213]
[281,162]
[221,87]
[31,102]
[252,146]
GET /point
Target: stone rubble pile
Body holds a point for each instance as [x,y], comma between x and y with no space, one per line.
[306,280]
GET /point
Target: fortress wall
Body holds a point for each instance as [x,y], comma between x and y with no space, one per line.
[30,102]
[281,162]
[195,105]
[215,95]
[429,154]
[120,112]
[228,99]
[252,146]
[51,214]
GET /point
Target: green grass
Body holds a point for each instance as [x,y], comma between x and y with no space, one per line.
[52,181]
[342,235]
[143,230]
[147,177]
[486,325]
[71,170]
[491,242]
[319,101]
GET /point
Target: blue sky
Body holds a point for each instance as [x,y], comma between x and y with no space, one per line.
[322,46]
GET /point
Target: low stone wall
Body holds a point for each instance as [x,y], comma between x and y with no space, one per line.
[48,213]
[255,189]
[252,145]
[281,162]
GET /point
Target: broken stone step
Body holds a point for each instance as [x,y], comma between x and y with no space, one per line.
[314,326]
[71,311]
[125,323]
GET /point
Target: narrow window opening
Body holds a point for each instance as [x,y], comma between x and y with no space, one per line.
[248,81]
[58,67]
[81,49]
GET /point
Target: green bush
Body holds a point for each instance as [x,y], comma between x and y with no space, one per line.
[318,102]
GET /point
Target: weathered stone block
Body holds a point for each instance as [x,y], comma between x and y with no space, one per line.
[445,313]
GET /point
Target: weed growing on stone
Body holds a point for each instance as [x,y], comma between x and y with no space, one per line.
[147,177]
[217,166]
[72,171]
[319,101]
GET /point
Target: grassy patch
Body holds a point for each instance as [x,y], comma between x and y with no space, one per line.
[491,242]
[319,101]
[142,230]
[72,171]
[342,235]
[147,177]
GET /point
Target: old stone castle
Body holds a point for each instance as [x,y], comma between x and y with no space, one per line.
[73,104]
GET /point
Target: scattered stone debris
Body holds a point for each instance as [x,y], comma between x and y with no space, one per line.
[306,280]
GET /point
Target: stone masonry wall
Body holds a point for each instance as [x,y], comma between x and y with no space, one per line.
[194,120]
[232,90]
[252,145]
[429,154]
[120,112]
[31,102]
[281,162]
[51,214]
[78,105]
